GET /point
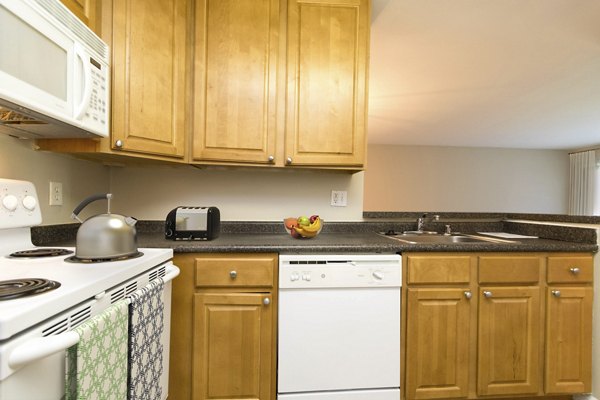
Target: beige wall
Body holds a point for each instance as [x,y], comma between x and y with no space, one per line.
[414,178]
[18,160]
[398,178]
[241,195]
[150,192]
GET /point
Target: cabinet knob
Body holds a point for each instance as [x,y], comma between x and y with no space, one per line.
[288,160]
[119,144]
[233,274]
[556,293]
[271,158]
[266,301]
[487,293]
[575,270]
[468,294]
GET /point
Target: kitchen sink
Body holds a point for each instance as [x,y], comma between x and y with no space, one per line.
[416,238]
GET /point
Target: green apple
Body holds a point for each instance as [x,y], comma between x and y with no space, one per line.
[303,221]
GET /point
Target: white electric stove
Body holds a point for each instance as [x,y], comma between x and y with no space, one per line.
[43,298]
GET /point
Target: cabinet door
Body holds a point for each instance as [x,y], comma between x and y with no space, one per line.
[569,340]
[438,326]
[86,10]
[232,346]
[235,80]
[149,62]
[509,341]
[327,82]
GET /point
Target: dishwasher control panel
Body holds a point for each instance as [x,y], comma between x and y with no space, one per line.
[328,271]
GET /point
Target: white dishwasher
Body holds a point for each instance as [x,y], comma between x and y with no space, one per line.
[339,327]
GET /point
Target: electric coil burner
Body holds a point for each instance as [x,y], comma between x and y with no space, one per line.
[17,288]
[75,259]
[41,252]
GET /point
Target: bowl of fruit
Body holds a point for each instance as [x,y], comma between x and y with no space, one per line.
[303,227]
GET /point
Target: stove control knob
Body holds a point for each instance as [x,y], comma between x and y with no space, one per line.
[306,277]
[294,277]
[30,203]
[10,202]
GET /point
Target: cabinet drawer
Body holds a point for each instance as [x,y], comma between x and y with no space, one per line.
[570,269]
[443,269]
[235,271]
[525,269]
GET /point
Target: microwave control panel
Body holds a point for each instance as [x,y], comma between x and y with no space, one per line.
[98,110]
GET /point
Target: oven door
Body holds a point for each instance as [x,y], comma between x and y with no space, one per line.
[32,365]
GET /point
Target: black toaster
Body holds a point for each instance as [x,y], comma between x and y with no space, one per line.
[193,223]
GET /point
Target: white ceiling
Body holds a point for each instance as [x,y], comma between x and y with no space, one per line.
[485,73]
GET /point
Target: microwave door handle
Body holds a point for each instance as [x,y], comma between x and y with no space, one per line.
[87,82]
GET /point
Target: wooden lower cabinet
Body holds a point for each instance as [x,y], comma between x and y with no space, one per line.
[224,319]
[438,326]
[232,338]
[499,325]
[509,341]
[568,339]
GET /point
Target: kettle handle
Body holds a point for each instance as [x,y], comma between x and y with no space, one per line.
[89,200]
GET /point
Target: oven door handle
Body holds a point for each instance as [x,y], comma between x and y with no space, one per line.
[172,273]
[38,348]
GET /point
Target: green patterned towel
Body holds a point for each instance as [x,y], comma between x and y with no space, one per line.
[97,365]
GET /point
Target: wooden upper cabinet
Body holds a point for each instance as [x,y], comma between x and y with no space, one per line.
[149,75]
[87,11]
[327,82]
[235,70]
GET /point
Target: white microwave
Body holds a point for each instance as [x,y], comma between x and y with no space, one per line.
[54,73]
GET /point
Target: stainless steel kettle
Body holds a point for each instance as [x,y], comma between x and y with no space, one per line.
[104,236]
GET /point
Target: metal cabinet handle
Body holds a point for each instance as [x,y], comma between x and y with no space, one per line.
[288,160]
[233,274]
[556,293]
[487,293]
[266,301]
[575,270]
[468,294]
[119,144]
[271,158]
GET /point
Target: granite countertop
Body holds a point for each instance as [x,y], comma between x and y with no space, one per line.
[337,238]
[350,243]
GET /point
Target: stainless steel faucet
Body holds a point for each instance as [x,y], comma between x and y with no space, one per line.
[424,219]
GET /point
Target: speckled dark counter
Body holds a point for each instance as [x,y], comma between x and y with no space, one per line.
[336,238]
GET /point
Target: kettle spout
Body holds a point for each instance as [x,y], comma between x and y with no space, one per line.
[130,221]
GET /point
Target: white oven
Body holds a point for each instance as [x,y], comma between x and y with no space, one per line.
[44,299]
[54,72]
[339,327]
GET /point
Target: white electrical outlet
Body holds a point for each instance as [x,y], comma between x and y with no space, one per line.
[339,198]
[56,194]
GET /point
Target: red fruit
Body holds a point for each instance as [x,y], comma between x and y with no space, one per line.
[294,233]
[290,222]
[313,218]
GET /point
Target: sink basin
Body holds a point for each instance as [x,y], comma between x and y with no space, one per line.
[414,238]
